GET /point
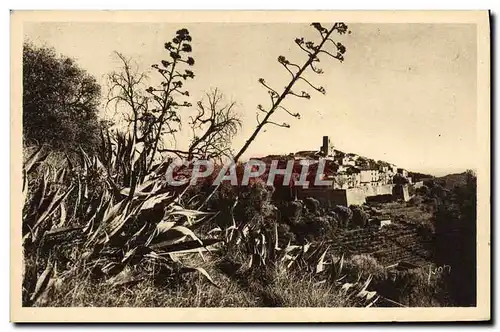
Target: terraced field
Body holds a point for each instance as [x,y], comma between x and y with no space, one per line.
[389,245]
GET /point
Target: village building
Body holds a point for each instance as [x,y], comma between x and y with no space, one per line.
[354,178]
[369,176]
[402,172]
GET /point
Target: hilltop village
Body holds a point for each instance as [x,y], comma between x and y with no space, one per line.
[351,170]
[354,177]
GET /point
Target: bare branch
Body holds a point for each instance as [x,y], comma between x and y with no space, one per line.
[295,115]
[283,125]
[319,89]
[313,51]
[261,81]
[213,127]
[302,95]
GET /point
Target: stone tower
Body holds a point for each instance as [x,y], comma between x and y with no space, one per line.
[327,148]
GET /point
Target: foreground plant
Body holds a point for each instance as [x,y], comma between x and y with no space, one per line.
[313,52]
[126,235]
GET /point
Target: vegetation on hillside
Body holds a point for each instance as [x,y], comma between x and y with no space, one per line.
[103,227]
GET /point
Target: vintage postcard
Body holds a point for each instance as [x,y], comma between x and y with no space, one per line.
[250,166]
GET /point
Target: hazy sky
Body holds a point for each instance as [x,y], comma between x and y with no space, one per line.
[406,93]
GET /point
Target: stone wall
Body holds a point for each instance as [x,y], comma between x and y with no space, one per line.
[326,196]
[329,197]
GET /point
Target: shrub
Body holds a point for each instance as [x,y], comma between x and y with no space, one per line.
[344,214]
[285,235]
[414,288]
[455,222]
[334,219]
[426,231]
[415,200]
[60,101]
[423,191]
[359,216]
[292,212]
[312,205]
[254,203]
[312,228]
[364,265]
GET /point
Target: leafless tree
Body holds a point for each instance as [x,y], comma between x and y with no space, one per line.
[213,128]
[153,112]
[126,87]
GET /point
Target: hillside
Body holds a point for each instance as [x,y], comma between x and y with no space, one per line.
[451,181]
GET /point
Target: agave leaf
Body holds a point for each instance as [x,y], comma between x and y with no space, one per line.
[340,267]
[174,258]
[133,184]
[367,282]
[370,295]
[112,268]
[290,248]
[85,159]
[186,246]
[205,273]
[198,250]
[164,226]
[154,256]
[85,190]
[264,248]
[42,281]
[189,214]
[125,277]
[137,151]
[276,246]
[362,293]
[43,298]
[373,302]
[35,160]
[151,202]
[99,213]
[186,231]
[117,224]
[341,278]
[320,267]
[40,193]
[161,228]
[136,234]
[59,177]
[250,261]
[62,219]
[110,220]
[114,211]
[214,230]
[78,198]
[291,262]
[68,160]
[129,254]
[54,203]
[25,188]
[346,287]
[164,243]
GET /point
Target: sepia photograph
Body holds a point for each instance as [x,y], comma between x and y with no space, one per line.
[329,165]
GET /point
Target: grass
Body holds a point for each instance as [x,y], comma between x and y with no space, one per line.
[242,288]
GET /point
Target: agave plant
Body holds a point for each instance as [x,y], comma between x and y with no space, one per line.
[137,220]
[262,247]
